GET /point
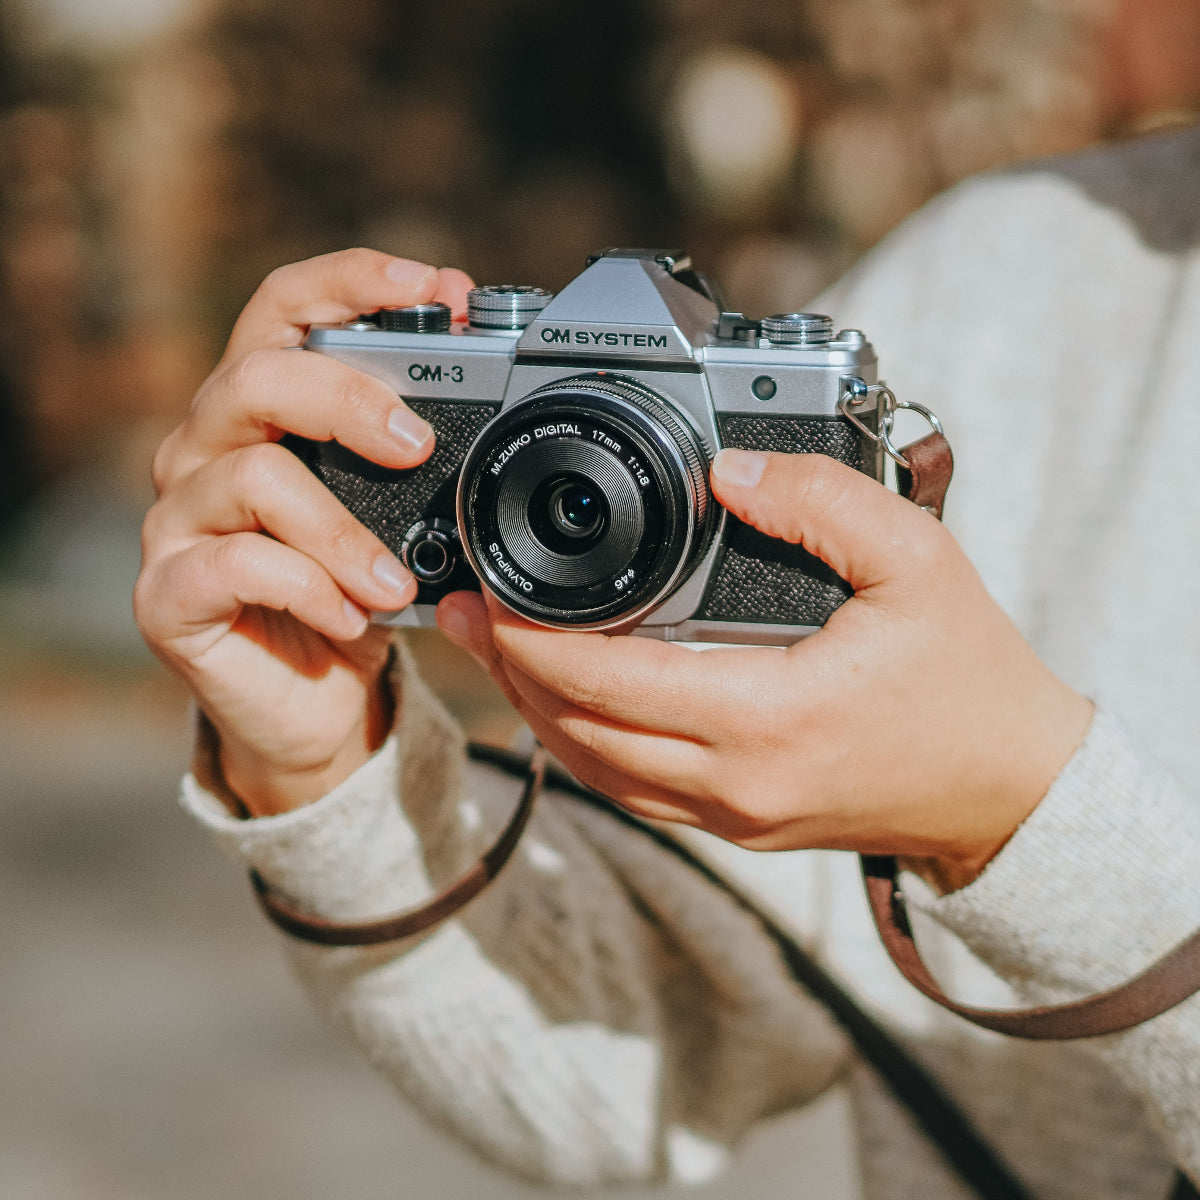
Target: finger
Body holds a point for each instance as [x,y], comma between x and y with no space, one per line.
[464,618]
[865,532]
[639,682]
[646,800]
[267,393]
[329,289]
[453,286]
[664,761]
[186,602]
[264,487]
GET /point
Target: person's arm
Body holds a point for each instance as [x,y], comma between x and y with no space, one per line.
[596,1015]
[917,722]
[599,1014]
[1098,883]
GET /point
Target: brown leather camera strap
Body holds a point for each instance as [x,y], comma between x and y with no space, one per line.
[1171,980]
[310,928]
[927,476]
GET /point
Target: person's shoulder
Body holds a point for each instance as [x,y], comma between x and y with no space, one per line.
[1065,216]
[1148,185]
[1150,182]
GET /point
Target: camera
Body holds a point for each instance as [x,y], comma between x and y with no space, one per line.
[574,437]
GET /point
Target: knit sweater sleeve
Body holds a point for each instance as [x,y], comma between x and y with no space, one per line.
[1097,884]
[599,1014]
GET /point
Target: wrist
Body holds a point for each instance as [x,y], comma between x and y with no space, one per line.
[266,784]
[1031,759]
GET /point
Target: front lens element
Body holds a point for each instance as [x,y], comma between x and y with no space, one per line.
[575,510]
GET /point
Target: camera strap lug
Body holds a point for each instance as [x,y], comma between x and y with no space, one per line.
[923,467]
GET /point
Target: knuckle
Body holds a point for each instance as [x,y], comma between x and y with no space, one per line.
[591,689]
[583,733]
[256,468]
[928,547]
[279,281]
[152,525]
[162,464]
[353,397]
[347,537]
[234,555]
[251,374]
[358,261]
[143,604]
[824,480]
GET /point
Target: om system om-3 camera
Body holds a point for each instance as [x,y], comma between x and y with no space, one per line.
[574,436]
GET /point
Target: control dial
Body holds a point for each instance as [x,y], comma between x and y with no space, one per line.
[797,329]
[505,306]
[416,318]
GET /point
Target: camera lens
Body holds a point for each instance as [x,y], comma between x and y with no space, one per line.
[575,510]
[568,514]
[585,503]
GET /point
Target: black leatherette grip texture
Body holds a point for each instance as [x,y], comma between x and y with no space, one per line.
[390,502]
[761,579]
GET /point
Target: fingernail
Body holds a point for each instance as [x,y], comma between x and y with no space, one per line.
[409,274]
[391,573]
[742,468]
[454,624]
[408,429]
[355,617]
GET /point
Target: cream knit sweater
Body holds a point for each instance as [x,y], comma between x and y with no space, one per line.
[600,1014]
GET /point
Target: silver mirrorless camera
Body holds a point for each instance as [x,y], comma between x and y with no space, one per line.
[574,436]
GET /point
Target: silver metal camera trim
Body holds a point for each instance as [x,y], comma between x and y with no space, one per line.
[625,314]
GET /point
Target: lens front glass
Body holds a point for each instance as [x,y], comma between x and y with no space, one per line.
[576,510]
[578,505]
[568,513]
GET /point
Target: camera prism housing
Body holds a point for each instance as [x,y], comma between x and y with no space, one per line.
[574,438]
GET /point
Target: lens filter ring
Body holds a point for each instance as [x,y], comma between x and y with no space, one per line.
[583,504]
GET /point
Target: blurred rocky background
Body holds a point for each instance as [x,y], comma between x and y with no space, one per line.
[158,158]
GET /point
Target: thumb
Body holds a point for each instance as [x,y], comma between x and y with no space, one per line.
[865,532]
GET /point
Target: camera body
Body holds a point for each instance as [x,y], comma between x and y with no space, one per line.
[574,436]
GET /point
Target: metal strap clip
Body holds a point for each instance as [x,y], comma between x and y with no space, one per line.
[853,400]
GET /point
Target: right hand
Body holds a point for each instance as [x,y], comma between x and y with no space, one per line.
[256,582]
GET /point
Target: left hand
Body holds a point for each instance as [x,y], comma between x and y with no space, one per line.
[917,722]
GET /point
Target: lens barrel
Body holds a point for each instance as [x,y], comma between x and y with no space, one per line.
[586,503]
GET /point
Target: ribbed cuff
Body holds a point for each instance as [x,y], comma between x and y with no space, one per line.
[1098,883]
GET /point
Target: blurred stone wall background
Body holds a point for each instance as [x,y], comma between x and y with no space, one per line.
[161,157]
[157,158]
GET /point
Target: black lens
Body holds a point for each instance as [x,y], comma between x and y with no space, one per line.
[575,510]
[585,503]
[568,513]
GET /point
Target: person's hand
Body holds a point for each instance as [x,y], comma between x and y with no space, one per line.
[917,722]
[255,581]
